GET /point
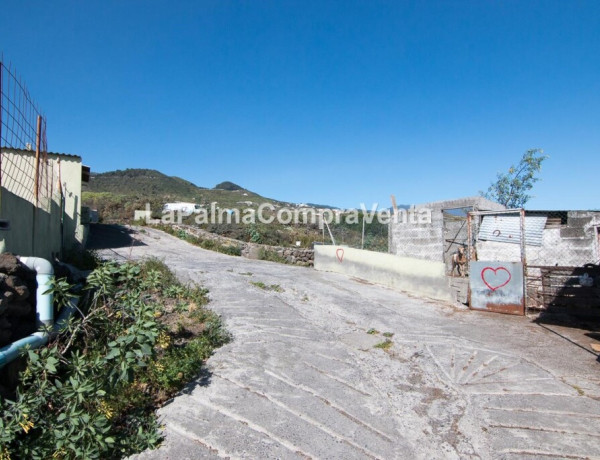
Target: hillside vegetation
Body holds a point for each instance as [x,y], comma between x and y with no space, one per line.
[117,194]
[142,182]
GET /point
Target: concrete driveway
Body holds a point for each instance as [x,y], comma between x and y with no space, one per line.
[303,378]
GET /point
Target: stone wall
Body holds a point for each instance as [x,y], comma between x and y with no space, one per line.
[17,300]
[291,255]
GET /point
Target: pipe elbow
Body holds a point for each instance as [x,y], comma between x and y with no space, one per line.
[41,266]
[44,276]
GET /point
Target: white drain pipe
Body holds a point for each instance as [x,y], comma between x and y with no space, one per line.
[44,276]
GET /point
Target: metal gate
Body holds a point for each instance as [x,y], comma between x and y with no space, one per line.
[497,263]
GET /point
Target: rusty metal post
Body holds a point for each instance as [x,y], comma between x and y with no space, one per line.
[523,258]
[38,138]
[1,98]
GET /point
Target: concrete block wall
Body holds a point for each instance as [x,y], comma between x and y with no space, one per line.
[421,241]
[426,241]
[575,244]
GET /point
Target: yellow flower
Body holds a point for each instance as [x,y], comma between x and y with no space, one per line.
[4,454]
[26,424]
[163,340]
[159,367]
[105,409]
[59,453]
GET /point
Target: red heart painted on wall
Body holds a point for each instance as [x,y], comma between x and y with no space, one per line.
[340,254]
[495,278]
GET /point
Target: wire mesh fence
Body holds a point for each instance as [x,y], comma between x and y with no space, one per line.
[23,128]
[559,251]
[358,230]
[563,269]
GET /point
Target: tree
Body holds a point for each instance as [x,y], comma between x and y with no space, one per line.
[510,189]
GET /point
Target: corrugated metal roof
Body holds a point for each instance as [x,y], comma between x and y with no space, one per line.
[507,229]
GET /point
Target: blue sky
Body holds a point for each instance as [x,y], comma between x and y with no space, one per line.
[336,102]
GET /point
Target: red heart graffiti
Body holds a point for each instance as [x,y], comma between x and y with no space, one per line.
[493,287]
[340,254]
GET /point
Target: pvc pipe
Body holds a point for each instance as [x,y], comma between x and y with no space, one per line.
[37,339]
[44,310]
[10,352]
[45,274]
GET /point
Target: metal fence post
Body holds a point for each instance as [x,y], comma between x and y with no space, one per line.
[1,99]
[523,258]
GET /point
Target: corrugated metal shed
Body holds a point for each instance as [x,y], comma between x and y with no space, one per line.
[507,229]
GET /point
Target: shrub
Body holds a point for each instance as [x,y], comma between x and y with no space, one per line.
[271,255]
[92,392]
[208,244]
[230,250]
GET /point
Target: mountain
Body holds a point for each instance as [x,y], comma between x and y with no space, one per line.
[142,182]
[116,194]
[228,186]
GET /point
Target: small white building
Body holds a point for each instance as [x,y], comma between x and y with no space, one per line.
[185,209]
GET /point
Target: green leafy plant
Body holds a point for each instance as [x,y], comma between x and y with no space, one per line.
[230,250]
[254,234]
[263,286]
[271,255]
[61,292]
[93,391]
[385,345]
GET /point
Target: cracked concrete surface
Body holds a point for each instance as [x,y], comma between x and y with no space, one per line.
[303,379]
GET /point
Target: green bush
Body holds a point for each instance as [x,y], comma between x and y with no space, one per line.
[92,393]
[208,244]
[271,255]
[230,250]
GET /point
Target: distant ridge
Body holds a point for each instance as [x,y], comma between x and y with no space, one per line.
[142,182]
[149,184]
[228,186]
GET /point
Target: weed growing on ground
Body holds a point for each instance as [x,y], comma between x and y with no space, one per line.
[385,345]
[373,331]
[272,287]
[211,245]
[388,334]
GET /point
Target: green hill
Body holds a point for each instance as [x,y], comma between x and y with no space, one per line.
[142,182]
[228,186]
[116,194]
